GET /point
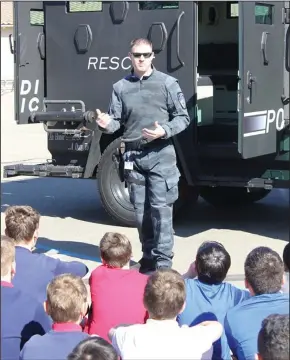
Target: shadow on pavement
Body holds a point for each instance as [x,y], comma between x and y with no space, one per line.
[78,199]
[269,218]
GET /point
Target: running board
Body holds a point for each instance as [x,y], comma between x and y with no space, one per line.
[43,170]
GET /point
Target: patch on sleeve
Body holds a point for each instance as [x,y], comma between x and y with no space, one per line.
[181,100]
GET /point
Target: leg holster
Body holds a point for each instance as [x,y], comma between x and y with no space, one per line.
[119,163]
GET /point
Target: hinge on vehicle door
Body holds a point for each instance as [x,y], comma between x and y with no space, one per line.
[286,15]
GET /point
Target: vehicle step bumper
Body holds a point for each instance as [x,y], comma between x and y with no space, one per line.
[43,170]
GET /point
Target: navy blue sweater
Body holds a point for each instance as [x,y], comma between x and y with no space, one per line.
[57,344]
[35,271]
[21,317]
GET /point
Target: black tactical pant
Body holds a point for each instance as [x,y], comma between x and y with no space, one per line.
[153,189]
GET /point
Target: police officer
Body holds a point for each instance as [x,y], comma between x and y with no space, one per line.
[151,106]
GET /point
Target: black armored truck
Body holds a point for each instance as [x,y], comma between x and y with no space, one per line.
[232,60]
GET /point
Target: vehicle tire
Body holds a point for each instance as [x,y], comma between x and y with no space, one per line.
[232,196]
[113,193]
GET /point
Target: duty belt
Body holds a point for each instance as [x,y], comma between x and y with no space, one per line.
[141,144]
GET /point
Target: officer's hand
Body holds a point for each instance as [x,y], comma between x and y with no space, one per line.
[158,132]
[103,119]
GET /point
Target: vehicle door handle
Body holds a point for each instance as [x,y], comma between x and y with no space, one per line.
[178,39]
[41,45]
[264,47]
[250,80]
[10,43]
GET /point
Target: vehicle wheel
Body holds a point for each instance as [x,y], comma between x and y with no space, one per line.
[232,196]
[113,193]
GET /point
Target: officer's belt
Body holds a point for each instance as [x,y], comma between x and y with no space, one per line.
[141,145]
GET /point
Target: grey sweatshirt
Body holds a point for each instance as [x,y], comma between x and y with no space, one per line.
[137,104]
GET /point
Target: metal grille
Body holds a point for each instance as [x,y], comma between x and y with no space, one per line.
[88,6]
[36,17]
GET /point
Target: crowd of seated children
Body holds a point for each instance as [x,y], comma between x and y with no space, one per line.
[44,303]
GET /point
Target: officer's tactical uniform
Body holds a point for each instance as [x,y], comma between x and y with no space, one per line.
[153,181]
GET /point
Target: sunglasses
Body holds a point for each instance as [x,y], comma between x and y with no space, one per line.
[138,55]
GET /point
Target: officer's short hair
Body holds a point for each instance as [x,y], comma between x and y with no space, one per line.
[21,222]
[115,249]
[66,298]
[140,41]
[212,262]
[273,338]
[286,257]
[7,254]
[264,270]
[164,294]
[93,348]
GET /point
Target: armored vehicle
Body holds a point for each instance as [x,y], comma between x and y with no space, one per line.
[232,61]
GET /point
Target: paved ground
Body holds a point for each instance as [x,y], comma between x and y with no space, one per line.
[73,220]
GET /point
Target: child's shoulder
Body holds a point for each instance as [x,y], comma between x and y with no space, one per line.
[36,341]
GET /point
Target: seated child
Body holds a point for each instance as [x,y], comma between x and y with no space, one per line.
[264,275]
[93,348]
[208,297]
[22,316]
[67,305]
[34,271]
[273,338]
[161,337]
[116,290]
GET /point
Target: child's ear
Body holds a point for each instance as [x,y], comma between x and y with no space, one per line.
[46,307]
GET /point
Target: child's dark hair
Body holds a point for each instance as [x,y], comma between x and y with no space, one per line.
[273,338]
[286,257]
[93,348]
[212,262]
[264,270]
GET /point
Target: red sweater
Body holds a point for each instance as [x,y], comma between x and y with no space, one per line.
[117,298]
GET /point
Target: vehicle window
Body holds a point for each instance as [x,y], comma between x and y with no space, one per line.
[36,17]
[232,10]
[264,14]
[84,6]
[157,5]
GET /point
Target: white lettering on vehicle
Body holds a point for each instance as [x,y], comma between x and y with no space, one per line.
[107,63]
[32,103]
[260,122]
